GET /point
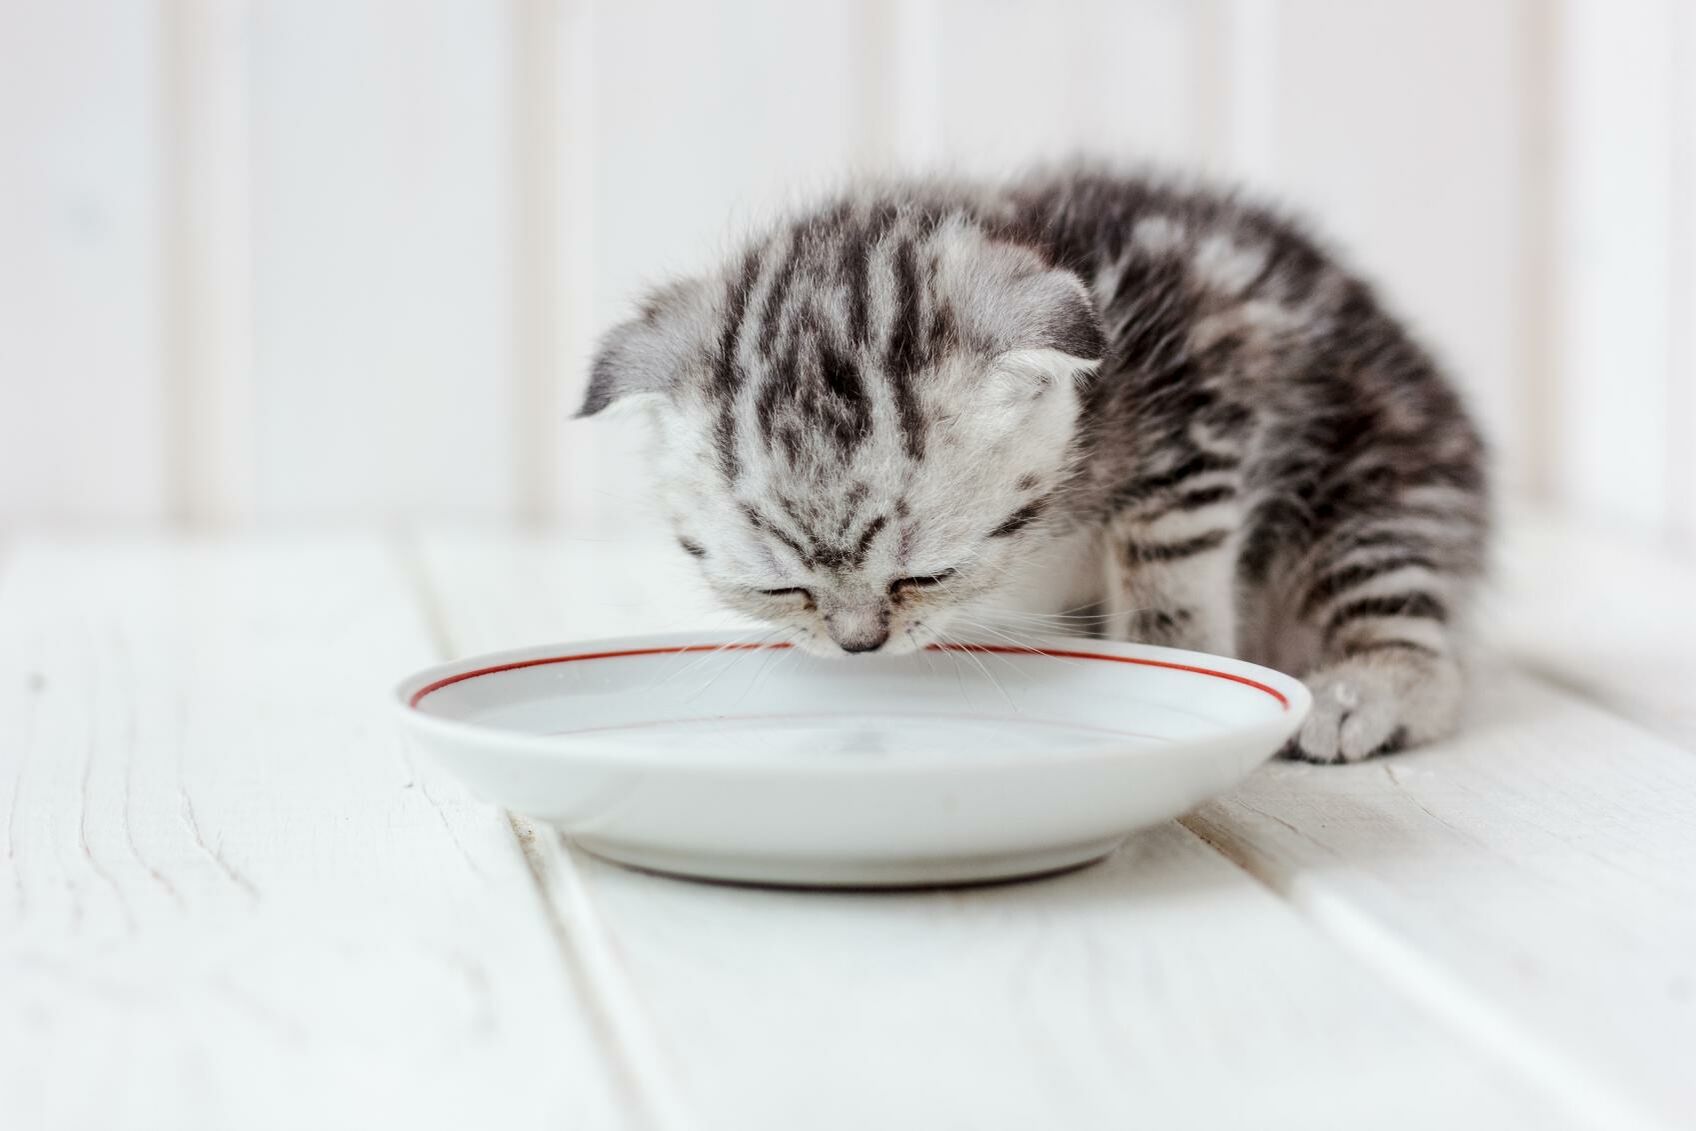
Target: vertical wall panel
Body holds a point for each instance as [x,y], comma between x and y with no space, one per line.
[1613,321]
[208,250]
[383,286]
[81,418]
[1241,60]
[315,260]
[1018,82]
[544,318]
[1681,419]
[706,117]
[1397,127]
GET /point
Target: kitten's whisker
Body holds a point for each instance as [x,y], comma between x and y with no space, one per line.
[954,658]
[922,648]
[1062,616]
[771,663]
[1069,618]
[773,655]
[1039,647]
[743,645]
[1010,665]
[700,660]
[765,662]
[965,649]
[999,634]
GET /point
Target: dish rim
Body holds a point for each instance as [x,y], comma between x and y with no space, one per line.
[1289,692]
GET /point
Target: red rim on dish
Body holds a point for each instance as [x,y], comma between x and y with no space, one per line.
[996,649]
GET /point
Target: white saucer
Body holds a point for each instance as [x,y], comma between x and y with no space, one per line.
[760,763]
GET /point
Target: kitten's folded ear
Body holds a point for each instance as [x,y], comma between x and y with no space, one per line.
[647,355]
[630,361]
[1052,335]
[1057,315]
[1034,319]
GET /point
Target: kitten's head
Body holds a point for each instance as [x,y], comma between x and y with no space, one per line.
[863,421]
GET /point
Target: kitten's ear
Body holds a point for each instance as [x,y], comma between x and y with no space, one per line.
[1036,321]
[646,355]
[632,359]
[1050,337]
[1020,375]
[1054,315]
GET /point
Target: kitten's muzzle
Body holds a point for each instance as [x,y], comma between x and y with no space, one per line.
[859,630]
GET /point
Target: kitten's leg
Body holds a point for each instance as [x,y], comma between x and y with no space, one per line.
[1171,567]
[1375,606]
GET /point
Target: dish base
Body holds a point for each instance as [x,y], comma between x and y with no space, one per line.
[853,872]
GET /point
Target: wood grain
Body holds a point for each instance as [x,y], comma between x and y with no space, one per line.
[1164,988]
[1529,880]
[231,897]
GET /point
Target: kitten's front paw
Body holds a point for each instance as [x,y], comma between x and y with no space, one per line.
[1375,705]
[1352,718]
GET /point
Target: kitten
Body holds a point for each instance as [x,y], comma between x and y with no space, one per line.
[896,410]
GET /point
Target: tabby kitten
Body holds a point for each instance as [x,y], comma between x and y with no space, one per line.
[922,401]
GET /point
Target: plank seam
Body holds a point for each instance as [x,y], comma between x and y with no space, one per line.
[409,559]
[410,563]
[576,930]
[1432,990]
[613,1003]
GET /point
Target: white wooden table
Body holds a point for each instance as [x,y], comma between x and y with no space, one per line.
[236,900]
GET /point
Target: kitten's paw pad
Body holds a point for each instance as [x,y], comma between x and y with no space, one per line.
[1357,713]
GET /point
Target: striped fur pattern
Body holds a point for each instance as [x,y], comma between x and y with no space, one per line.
[921,402]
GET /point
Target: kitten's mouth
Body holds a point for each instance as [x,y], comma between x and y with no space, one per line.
[901,642]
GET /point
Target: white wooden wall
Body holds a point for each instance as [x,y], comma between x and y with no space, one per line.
[326,260]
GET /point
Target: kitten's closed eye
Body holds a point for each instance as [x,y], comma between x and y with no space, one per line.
[927,581]
[789,591]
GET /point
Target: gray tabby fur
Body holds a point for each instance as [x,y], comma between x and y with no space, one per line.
[922,402]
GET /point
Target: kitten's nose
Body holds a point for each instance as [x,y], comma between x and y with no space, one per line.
[858,631]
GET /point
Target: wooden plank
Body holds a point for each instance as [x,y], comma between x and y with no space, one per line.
[81,433]
[231,897]
[383,143]
[1625,639]
[1530,879]
[1163,988]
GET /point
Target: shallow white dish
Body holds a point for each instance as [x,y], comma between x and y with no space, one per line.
[760,763]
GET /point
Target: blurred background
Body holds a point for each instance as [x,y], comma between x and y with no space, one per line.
[309,262]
